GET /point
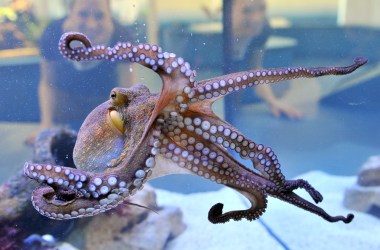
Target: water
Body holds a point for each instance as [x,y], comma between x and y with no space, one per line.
[333,140]
[338,132]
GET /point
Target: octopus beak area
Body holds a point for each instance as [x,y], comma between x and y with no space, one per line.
[68,193]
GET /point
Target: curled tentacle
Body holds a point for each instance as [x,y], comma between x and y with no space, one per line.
[258,205]
[72,193]
[175,72]
[150,56]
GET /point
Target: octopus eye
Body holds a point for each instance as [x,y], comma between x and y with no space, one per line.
[113,95]
[116,120]
[118,98]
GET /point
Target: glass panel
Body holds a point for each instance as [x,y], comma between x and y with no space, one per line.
[321,129]
[323,33]
[325,124]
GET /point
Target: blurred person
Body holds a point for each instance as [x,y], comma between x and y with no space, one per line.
[68,91]
[251,30]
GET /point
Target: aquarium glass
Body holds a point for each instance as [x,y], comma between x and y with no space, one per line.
[324,130]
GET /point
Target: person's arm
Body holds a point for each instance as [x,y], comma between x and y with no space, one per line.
[45,96]
[277,106]
[265,92]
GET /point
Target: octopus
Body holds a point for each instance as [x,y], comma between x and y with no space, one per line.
[136,136]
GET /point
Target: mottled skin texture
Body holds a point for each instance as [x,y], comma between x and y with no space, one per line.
[137,136]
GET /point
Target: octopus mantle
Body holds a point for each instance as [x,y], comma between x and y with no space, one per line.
[136,136]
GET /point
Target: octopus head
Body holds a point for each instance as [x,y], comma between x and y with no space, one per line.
[112,156]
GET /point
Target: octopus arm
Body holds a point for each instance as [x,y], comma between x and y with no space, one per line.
[177,160]
[72,193]
[151,56]
[215,88]
[176,74]
[200,119]
[298,201]
[196,155]
[199,141]
[183,130]
[165,167]
[258,205]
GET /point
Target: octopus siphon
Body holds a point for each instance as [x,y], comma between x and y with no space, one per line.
[136,136]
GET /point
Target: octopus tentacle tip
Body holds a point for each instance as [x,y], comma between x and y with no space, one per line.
[214,215]
[68,37]
[349,218]
[360,60]
[346,219]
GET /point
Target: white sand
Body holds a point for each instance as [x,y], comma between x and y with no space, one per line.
[297,228]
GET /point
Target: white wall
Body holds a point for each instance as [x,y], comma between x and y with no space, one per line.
[355,12]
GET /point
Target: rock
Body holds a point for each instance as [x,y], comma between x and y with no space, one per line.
[55,146]
[45,242]
[165,226]
[15,204]
[51,146]
[369,174]
[131,227]
[11,236]
[125,227]
[64,246]
[364,196]
[16,211]
[9,206]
